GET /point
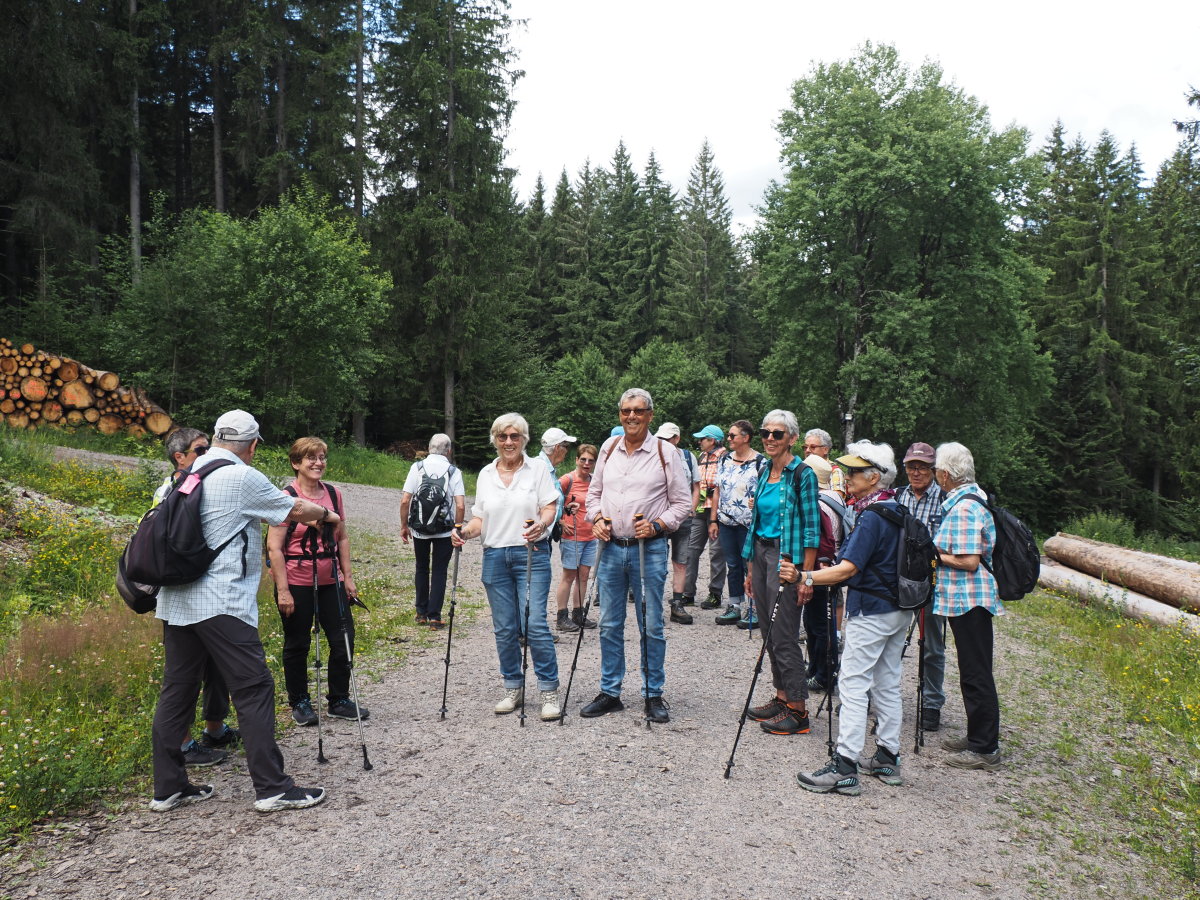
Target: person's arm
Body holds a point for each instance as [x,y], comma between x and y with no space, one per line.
[968,562]
[460,508]
[276,535]
[342,536]
[712,512]
[405,503]
[309,513]
[472,529]
[790,574]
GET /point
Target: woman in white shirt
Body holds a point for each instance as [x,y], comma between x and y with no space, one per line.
[510,491]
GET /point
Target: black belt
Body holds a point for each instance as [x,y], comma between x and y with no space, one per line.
[632,542]
[766,542]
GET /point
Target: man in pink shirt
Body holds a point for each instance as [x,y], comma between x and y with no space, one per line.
[636,474]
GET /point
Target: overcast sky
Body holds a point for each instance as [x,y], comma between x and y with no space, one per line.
[663,75]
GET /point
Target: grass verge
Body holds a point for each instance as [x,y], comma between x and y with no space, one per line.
[1111,709]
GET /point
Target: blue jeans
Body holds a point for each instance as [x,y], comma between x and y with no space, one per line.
[504,574]
[733,540]
[617,575]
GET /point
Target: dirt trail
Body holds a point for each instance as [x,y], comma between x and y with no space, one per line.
[477,806]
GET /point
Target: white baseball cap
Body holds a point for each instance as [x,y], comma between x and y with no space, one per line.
[667,430]
[236,425]
[555,436]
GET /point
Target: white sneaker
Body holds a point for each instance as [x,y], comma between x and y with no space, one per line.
[296,798]
[512,699]
[551,708]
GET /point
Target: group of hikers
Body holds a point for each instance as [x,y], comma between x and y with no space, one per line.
[807,547]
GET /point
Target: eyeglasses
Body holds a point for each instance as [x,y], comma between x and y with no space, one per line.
[913,467]
[734,434]
[586,461]
[201,450]
[634,413]
[509,438]
[775,434]
[321,458]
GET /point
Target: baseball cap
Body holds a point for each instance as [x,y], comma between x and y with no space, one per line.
[617,429]
[710,431]
[236,425]
[667,430]
[920,452]
[555,436]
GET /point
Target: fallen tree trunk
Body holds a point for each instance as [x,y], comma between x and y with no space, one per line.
[1128,603]
[1132,569]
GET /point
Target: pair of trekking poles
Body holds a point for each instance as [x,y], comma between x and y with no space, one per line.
[331,547]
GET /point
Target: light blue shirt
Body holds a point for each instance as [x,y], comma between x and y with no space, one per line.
[562,501]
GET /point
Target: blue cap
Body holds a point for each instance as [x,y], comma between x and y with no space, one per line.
[710,431]
[617,429]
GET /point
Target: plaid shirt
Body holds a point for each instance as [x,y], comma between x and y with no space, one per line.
[967,528]
[801,525]
[928,509]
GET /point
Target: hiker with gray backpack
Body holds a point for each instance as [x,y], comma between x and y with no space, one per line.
[433,502]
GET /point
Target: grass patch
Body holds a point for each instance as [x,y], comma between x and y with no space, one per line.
[1114,529]
[1121,733]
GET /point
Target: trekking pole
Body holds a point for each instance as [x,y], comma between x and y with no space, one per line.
[528,593]
[587,606]
[919,736]
[450,624]
[344,615]
[316,632]
[758,665]
[830,665]
[643,623]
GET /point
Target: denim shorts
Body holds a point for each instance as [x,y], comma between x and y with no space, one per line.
[578,553]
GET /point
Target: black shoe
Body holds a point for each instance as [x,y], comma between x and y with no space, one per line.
[688,601]
[580,619]
[931,719]
[680,615]
[768,710]
[789,721]
[195,755]
[565,622]
[192,793]
[656,710]
[731,616]
[345,709]
[230,737]
[303,712]
[602,705]
[713,601]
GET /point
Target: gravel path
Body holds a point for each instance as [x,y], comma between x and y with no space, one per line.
[477,806]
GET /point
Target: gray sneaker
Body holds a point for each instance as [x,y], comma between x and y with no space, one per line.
[969,759]
[196,755]
[955,744]
[839,776]
[883,765]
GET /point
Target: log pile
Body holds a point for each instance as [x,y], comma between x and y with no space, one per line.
[1141,585]
[43,389]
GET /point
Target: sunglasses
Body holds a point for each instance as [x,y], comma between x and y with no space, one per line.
[508,438]
[201,450]
[586,461]
[634,412]
[774,434]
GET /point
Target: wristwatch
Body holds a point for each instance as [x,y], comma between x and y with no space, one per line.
[808,579]
[658,529]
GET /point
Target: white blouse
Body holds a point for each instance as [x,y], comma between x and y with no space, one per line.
[504,509]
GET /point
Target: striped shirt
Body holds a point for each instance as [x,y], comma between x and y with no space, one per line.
[967,528]
[235,499]
[928,509]
[799,517]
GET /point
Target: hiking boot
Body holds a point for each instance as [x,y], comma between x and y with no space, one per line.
[656,711]
[296,798]
[195,755]
[768,710]
[512,699]
[731,616]
[303,712]
[603,704]
[435,623]
[687,601]
[969,759]
[713,601]
[884,765]
[193,793]
[578,617]
[931,719]
[955,744]
[551,707]
[790,721]
[565,622]
[422,620]
[679,615]
[230,737]
[839,776]
[345,708]
[749,620]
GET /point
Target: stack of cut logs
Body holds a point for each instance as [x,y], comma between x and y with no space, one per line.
[39,388]
[1141,585]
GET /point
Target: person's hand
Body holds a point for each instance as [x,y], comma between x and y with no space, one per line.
[712,532]
[348,583]
[642,528]
[568,528]
[804,593]
[405,534]
[534,532]
[749,586]
[602,530]
[286,603]
[788,573]
[456,536]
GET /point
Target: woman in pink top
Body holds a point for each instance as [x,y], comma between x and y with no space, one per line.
[578,548]
[291,551]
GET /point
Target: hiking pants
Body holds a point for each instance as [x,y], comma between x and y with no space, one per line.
[297,641]
[431,580]
[788,671]
[973,642]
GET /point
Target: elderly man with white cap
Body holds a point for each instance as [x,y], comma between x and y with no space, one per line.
[217,616]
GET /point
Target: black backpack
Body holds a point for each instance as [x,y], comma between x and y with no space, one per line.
[915,558]
[292,526]
[431,510]
[1016,560]
[168,546]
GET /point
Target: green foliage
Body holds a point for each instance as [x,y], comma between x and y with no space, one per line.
[1115,529]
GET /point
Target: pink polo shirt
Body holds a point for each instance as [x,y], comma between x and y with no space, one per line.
[624,483]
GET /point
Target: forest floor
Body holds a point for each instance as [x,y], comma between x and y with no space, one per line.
[476,805]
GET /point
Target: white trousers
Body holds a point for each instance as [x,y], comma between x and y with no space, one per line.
[871,663]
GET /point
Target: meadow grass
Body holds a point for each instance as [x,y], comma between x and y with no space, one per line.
[1128,745]
[1113,529]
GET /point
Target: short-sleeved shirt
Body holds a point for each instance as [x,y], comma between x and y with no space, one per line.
[967,528]
[436,466]
[872,547]
[708,477]
[235,500]
[575,490]
[299,571]
[737,480]
[928,508]
[504,508]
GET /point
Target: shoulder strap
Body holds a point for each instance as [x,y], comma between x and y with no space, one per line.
[612,445]
[662,460]
[291,529]
[333,496]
